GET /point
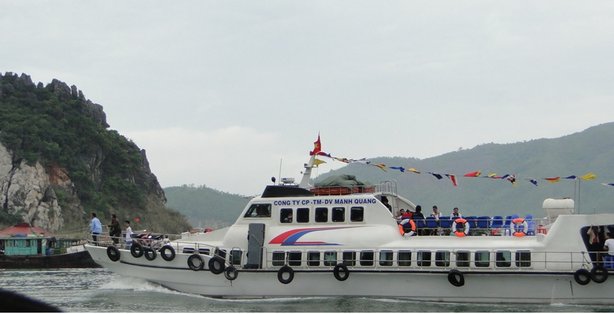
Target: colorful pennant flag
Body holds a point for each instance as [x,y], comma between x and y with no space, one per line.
[553,179]
[436,175]
[345,160]
[589,176]
[452,178]
[397,168]
[318,162]
[474,174]
[317,151]
[413,170]
[381,166]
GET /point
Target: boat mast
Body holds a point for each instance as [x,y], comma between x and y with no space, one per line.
[307,174]
[317,148]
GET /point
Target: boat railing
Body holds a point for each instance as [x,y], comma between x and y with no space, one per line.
[386,187]
[481,226]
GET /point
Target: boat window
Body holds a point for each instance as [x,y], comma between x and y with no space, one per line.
[462,259]
[313,258]
[503,259]
[203,251]
[338,214]
[482,259]
[404,258]
[330,258]
[285,215]
[258,211]
[357,214]
[442,258]
[235,257]
[523,259]
[349,258]
[321,214]
[302,215]
[385,258]
[366,258]
[424,258]
[279,258]
[294,258]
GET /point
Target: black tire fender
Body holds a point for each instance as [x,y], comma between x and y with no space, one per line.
[150,254]
[167,256]
[136,250]
[281,274]
[199,262]
[599,274]
[582,276]
[216,265]
[341,272]
[113,253]
[231,273]
[456,278]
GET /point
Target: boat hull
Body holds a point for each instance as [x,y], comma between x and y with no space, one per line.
[81,259]
[479,287]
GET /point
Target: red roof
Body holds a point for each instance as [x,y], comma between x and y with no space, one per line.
[24,228]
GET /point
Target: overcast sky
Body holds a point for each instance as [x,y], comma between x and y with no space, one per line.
[218,92]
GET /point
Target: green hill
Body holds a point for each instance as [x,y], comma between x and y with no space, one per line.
[591,150]
[205,207]
[79,165]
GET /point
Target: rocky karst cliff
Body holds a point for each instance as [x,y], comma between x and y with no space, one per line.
[59,162]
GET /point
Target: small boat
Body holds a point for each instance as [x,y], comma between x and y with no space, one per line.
[23,246]
[296,240]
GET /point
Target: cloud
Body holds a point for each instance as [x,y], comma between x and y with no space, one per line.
[233,159]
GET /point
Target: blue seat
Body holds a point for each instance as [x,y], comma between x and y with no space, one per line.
[431,223]
[497,222]
[420,223]
[608,261]
[530,224]
[484,222]
[508,221]
[472,221]
[445,222]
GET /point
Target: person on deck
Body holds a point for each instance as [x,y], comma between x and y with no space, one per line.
[419,219]
[436,213]
[128,234]
[115,230]
[407,215]
[609,245]
[95,228]
[455,214]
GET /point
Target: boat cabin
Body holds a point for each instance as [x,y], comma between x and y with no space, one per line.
[25,240]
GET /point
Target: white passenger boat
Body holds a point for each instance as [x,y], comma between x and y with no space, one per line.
[295,240]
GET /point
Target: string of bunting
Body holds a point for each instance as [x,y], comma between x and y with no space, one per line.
[317,151]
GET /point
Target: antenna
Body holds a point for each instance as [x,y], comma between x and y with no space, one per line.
[281,159]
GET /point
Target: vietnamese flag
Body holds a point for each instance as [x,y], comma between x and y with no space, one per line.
[473,174]
[137,219]
[317,146]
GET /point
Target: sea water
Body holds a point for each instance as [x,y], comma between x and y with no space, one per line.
[98,290]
